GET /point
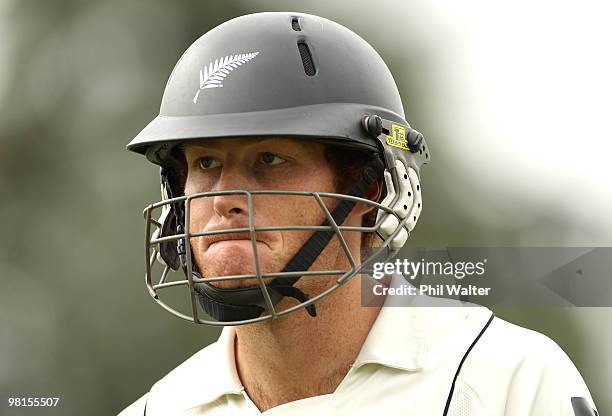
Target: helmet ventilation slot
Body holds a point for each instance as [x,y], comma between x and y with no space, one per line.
[309,67]
[295,24]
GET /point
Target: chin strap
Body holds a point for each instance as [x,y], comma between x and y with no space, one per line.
[230,305]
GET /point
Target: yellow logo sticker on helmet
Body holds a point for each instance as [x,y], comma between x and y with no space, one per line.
[398,137]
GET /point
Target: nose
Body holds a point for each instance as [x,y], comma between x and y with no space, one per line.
[232,204]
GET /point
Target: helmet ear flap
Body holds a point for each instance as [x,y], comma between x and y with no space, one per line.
[168,253]
[404,201]
[170,223]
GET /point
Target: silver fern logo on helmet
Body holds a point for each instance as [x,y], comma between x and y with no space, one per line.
[213,75]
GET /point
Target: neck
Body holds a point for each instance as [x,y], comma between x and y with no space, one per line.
[298,356]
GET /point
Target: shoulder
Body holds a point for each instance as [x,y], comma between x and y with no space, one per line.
[521,350]
[517,371]
[176,387]
[515,343]
[135,409]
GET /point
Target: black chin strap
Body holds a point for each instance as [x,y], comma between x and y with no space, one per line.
[230,305]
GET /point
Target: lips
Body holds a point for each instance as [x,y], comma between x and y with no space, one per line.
[215,238]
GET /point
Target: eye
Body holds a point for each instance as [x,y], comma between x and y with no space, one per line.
[208,162]
[268,158]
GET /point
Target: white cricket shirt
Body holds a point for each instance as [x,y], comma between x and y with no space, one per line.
[405,367]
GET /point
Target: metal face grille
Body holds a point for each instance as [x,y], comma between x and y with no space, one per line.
[186,278]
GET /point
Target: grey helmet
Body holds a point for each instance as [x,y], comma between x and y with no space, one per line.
[290,75]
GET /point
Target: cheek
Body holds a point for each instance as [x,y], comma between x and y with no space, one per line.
[200,211]
[200,214]
[189,184]
[198,182]
[287,210]
[324,180]
[305,210]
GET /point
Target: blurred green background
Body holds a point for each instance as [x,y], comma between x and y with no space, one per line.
[78,79]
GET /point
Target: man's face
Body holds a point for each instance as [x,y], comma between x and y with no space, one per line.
[255,164]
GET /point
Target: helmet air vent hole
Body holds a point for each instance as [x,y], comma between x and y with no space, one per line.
[419,205]
[295,24]
[426,155]
[309,67]
[414,217]
[405,206]
[409,193]
[405,176]
[418,187]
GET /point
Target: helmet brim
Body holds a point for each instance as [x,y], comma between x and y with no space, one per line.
[338,123]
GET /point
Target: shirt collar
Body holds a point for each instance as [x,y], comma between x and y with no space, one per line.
[398,337]
[216,372]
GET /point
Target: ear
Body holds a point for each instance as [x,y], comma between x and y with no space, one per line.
[373,193]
